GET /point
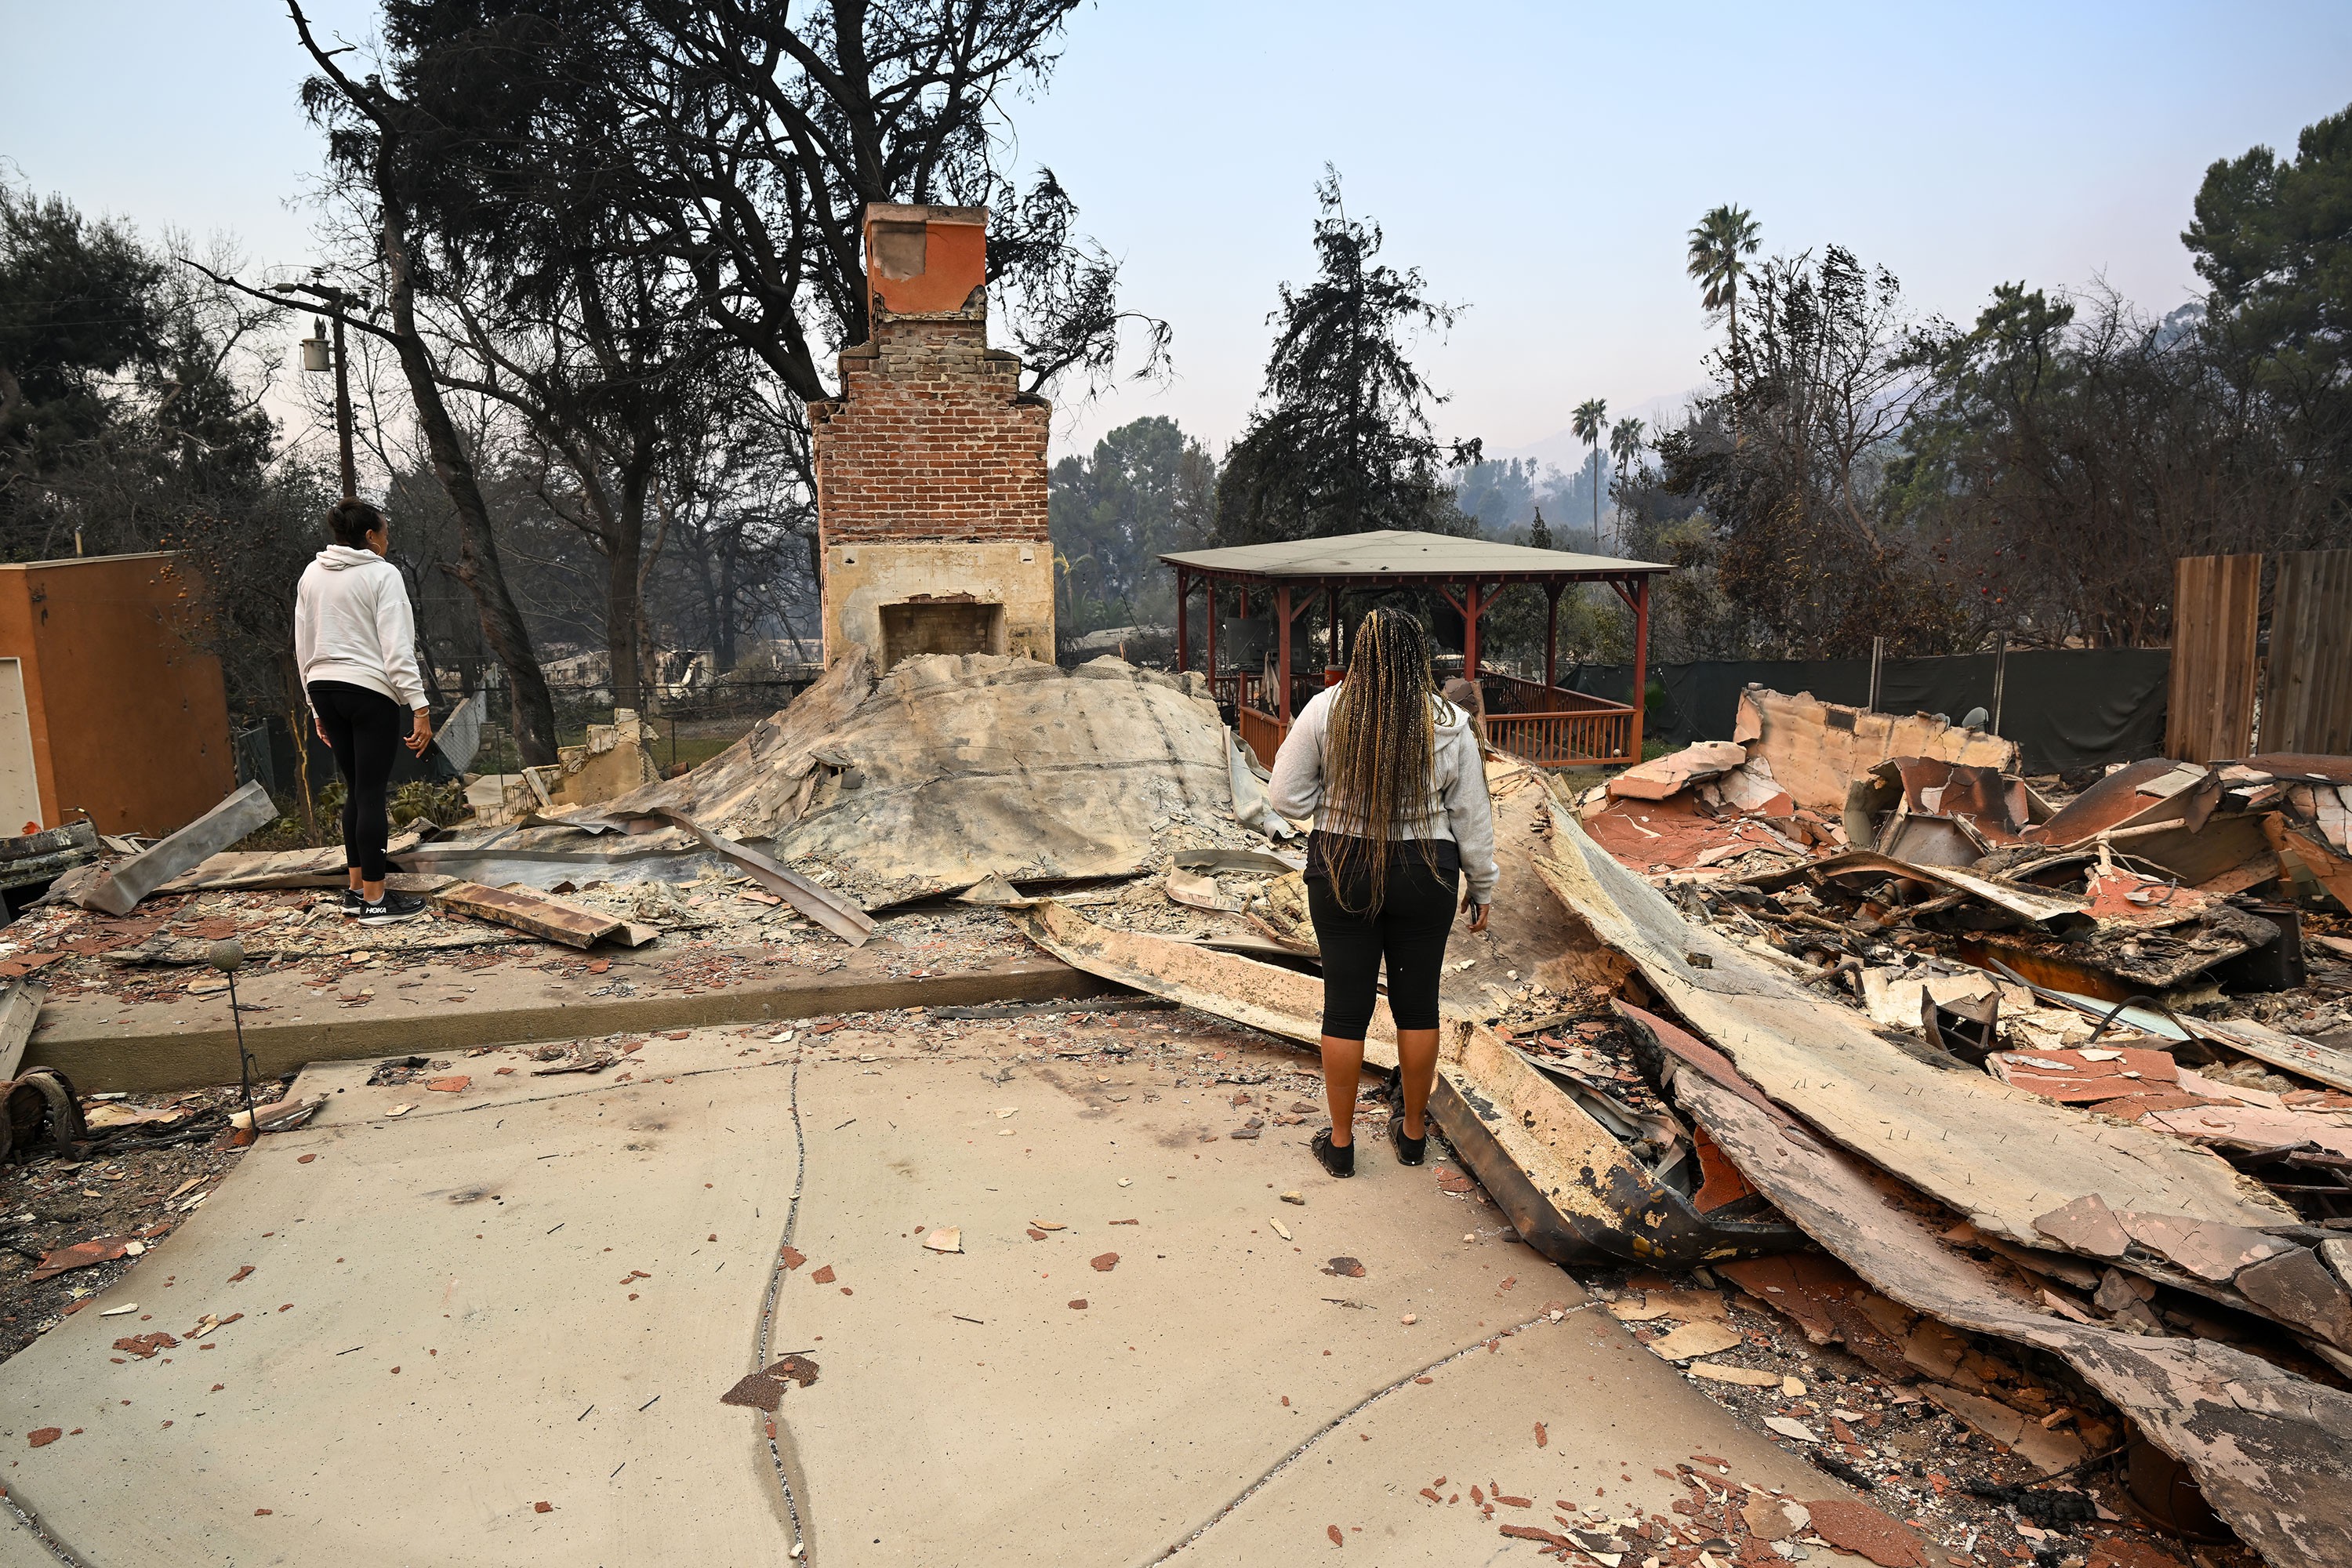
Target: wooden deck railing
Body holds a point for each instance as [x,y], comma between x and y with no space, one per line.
[1564,740]
[1262,734]
[1510,694]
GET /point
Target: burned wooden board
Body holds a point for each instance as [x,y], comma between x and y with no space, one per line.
[2264,1444]
[2053,913]
[1996,1153]
[43,857]
[20,1009]
[838,914]
[118,888]
[1570,1188]
[2302,849]
[2119,962]
[534,913]
[2288,1053]
[1263,995]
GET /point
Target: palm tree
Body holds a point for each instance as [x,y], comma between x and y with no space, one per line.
[1717,243]
[1626,444]
[1591,422]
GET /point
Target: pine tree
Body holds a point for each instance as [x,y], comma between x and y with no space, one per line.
[1345,445]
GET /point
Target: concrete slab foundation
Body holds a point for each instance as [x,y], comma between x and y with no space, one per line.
[495,1327]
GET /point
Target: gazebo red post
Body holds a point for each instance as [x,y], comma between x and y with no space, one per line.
[1471,610]
[1183,620]
[1209,594]
[1241,613]
[1551,635]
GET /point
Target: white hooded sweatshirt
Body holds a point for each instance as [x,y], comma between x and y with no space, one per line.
[352,624]
[1457,806]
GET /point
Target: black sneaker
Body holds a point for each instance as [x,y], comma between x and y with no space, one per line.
[1409,1151]
[394,908]
[1336,1160]
[353,903]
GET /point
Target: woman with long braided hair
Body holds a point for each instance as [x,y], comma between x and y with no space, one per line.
[1392,776]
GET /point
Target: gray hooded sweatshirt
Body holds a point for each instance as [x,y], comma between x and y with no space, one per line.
[352,624]
[1457,806]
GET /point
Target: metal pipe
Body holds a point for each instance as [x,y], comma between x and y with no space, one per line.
[1999,671]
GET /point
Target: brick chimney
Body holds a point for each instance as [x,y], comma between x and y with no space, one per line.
[930,463]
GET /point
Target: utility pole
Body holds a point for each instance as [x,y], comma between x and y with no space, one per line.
[316,356]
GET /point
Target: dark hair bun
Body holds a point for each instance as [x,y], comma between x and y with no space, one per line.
[350,522]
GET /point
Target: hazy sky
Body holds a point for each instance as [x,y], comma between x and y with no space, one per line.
[1540,164]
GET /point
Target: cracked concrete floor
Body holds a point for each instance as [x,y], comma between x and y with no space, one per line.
[496,1329]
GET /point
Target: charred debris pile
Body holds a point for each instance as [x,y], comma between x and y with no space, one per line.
[2168,948]
[2041,1106]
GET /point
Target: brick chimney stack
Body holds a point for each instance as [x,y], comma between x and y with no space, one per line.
[930,463]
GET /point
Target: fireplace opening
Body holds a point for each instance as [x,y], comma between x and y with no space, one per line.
[958,627]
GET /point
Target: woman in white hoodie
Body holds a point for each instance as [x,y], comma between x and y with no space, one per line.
[356,642]
[1394,776]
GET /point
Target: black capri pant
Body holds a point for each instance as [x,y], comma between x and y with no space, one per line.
[1409,929]
[363,730]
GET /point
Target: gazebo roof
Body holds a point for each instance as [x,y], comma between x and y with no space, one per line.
[1402,555]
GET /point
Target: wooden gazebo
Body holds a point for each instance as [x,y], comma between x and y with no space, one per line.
[1541,724]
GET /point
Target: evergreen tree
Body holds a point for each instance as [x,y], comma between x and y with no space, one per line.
[1344,444]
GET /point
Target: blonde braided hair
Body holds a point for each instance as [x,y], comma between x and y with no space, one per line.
[1380,754]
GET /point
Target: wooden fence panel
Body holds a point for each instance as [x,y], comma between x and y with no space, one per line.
[2216,600]
[2307,682]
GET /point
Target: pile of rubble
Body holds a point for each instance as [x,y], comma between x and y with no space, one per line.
[919,782]
[945,776]
[2169,947]
[2037,1107]
[2151,973]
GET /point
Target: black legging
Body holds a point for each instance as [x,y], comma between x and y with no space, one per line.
[1409,927]
[363,730]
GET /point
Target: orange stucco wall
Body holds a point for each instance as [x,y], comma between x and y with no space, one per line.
[130,720]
